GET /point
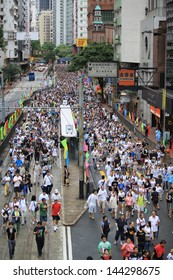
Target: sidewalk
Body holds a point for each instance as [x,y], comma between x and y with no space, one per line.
[73,207]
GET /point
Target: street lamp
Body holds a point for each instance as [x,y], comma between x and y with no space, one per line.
[81,139]
[3,99]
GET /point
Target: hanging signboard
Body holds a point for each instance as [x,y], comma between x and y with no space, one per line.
[102,69]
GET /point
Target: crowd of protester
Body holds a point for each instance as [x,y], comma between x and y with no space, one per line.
[134,178]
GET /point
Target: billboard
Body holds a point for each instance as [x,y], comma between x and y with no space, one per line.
[67,123]
[81,42]
[22,36]
[126,77]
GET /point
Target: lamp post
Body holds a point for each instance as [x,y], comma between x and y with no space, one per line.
[81,140]
[3,98]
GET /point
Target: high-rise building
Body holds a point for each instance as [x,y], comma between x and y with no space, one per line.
[46,27]
[9,22]
[45,5]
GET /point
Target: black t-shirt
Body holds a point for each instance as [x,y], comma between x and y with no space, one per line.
[39,232]
[121,223]
[11,233]
[155,197]
[130,233]
[141,236]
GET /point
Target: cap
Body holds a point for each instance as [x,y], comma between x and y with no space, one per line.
[56,191]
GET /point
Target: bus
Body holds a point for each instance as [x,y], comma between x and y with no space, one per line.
[31,76]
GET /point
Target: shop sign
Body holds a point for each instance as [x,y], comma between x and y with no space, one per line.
[126,77]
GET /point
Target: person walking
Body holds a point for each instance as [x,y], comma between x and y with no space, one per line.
[23,209]
[159,251]
[121,226]
[48,182]
[39,232]
[127,248]
[36,173]
[16,218]
[56,212]
[105,226]
[92,203]
[102,198]
[6,216]
[113,204]
[43,211]
[33,208]
[155,222]
[7,180]
[11,239]
[104,244]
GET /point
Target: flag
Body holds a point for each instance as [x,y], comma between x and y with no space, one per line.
[66,156]
[87,156]
[142,127]
[1,133]
[137,121]
[5,130]
[129,116]
[87,168]
[85,147]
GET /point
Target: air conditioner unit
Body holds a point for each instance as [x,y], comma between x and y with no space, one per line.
[116,37]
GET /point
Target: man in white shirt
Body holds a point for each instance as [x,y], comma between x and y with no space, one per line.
[155,222]
[102,196]
[56,195]
[43,195]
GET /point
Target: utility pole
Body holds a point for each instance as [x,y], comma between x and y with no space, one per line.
[3,98]
[81,139]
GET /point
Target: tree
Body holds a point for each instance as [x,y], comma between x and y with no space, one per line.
[95,52]
[63,51]
[36,47]
[48,51]
[10,71]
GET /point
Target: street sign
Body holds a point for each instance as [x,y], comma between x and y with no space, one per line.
[102,69]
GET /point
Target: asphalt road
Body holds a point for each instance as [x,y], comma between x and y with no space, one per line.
[22,89]
[86,233]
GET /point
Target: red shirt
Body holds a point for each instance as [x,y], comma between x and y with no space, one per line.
[56,207]
[160,250]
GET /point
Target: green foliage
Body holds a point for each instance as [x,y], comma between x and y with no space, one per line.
[35,45]
[48,52]
[63,51]
[48,46]
[10,71]
[95,52]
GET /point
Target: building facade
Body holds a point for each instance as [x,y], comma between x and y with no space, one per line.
[9,20]
[104,33]
[45,5]
[46,27]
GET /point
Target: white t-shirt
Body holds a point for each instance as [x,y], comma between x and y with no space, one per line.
[154,223]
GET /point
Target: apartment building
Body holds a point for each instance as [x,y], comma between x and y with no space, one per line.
[46,26]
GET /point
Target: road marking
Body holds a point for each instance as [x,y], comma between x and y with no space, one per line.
[64,244]
[70,255]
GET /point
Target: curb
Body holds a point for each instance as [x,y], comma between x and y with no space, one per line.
[75,220]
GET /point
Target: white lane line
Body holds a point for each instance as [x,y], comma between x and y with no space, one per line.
[64,244]
[70,255]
